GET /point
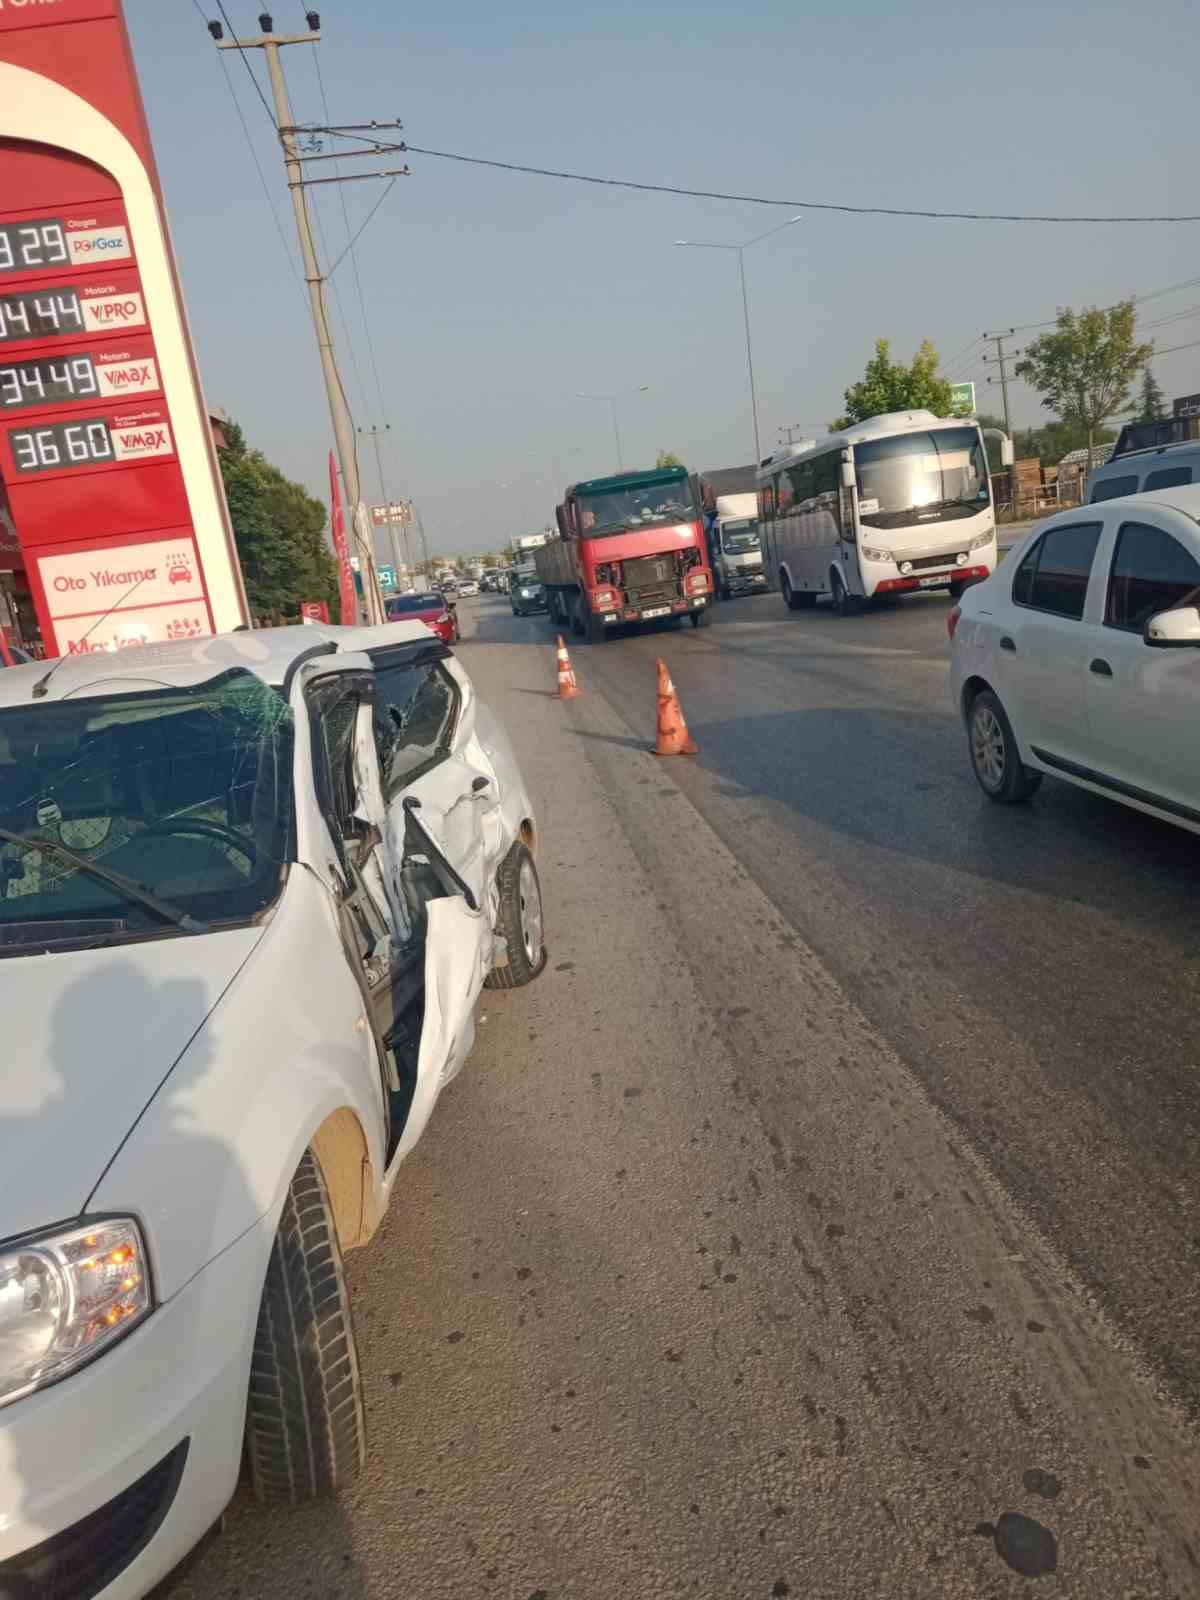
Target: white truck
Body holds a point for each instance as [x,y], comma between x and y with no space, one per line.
[735,548]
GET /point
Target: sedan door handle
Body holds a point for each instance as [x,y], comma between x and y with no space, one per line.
[1008,644]
[1101,668]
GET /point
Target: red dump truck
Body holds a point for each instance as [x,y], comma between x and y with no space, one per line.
[630,550]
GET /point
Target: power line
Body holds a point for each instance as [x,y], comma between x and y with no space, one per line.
[763,200]
[1138,300]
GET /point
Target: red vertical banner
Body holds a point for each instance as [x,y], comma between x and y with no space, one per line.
[337,520]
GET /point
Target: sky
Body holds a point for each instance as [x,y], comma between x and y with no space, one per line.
[490,300]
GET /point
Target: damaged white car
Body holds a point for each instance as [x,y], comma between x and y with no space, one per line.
[250,889]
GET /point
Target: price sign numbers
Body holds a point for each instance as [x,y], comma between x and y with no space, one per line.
[61,445]
[28,246]
[44,314]
[43,383]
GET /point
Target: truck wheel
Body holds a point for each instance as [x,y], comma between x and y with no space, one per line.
[519,920]
[305,1434]
[699,618]
[791,599]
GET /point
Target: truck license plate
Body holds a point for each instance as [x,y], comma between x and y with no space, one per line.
[656,611]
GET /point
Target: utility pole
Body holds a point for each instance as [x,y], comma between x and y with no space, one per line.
[786,434]
[343,429]
[398,561]
[999,359]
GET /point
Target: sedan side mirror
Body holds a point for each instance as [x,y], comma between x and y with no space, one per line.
[1174,630]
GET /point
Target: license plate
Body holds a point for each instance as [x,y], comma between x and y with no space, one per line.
[933,583]
[656,611]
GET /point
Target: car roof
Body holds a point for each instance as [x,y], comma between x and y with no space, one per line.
[269,653]
[1184,498]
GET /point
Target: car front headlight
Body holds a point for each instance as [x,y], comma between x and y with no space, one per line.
[981,542]
[876,555]
[65,1297]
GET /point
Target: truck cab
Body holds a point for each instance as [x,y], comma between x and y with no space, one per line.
[735,547]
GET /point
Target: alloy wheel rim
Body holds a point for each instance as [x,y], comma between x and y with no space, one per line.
[987,747]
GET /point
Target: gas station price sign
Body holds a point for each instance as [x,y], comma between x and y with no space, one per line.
[47,383]
[72,310]
[88,443]
[33,245]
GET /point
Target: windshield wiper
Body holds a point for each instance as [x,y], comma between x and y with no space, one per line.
[115,880]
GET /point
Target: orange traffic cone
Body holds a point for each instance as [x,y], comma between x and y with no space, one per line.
[568,689]
[673,737]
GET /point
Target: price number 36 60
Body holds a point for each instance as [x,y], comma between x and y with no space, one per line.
[61,445]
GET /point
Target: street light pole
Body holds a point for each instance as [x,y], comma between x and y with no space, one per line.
[617,434]
[705,244]
[611,401]
[749,354]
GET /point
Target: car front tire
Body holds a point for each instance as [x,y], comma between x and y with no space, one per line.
[519,920]
[995,755]
[305,1434]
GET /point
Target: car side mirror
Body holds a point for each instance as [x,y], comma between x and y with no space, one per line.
[1174,630]
[848,478]
[1007,453]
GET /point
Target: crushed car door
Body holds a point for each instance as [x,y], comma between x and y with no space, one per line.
[439,865]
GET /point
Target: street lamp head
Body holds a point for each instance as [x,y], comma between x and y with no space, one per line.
[642,388]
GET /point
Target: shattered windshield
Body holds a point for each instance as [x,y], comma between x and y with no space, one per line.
[187,792]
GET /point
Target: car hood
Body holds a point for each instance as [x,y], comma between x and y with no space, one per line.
[90,1035]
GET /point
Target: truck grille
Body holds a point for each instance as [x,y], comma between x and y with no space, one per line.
[650,579]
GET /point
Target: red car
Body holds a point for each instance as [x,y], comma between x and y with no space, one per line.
[428,607]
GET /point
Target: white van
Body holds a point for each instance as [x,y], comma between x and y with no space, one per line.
[1149,455]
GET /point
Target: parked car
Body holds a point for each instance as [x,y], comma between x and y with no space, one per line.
[435,610]
[251,889]
[527,594]
[1080,657]
[1149,456]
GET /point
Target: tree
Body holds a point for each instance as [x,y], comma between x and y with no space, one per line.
[667,458]
[889,385]
[1085,367]
[279,529]
[1151,404]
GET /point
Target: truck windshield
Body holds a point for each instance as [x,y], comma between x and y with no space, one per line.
[635,506]
[923,477]
[737,538]
[186,791]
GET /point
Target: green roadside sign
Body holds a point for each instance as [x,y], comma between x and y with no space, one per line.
[963,399]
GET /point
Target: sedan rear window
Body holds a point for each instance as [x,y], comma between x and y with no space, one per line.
[1054,575]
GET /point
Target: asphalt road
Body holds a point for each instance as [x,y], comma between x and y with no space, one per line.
[824,1221]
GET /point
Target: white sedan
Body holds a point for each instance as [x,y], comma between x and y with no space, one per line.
[1080,657]
[250,889]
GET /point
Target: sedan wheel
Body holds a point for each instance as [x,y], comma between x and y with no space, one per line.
[519,920]
[995,755]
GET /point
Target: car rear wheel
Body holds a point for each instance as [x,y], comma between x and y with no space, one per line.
[305,1435]
[519,920]
[995,756]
